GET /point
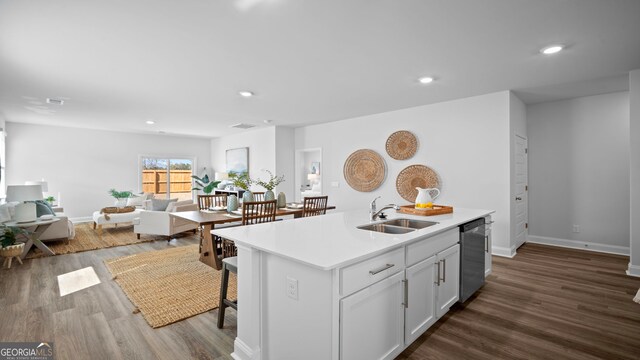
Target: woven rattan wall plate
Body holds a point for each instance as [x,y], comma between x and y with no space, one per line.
[415,176]
[364,170]
[402,145]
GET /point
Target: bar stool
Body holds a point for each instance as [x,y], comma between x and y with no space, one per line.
[252,213]
[229,264]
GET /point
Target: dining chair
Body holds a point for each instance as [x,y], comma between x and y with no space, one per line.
[258,196]
[314,205]
[207,201]
[255,212]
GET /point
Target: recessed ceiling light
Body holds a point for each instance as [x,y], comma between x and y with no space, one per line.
[552,49]
[245,93]
[150,122]
[426,80]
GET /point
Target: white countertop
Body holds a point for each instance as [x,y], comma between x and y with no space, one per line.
[332,240]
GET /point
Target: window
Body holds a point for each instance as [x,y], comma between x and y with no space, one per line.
[167,178]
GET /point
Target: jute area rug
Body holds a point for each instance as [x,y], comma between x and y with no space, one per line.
[88,239]
[169,285]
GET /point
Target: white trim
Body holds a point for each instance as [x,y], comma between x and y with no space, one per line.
[82,219]
[503,251]
[582,245]
[634,270]
[242,351]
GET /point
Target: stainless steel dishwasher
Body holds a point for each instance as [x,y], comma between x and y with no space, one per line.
[471,258]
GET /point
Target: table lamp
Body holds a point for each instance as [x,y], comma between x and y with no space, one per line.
[42,183]
[25,212]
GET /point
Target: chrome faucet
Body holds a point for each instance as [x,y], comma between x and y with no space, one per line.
[373,214]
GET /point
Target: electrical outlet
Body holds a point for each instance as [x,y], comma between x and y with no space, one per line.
[576,228]
[292,288]
[335,184]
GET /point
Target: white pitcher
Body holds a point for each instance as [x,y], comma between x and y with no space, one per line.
[424,197]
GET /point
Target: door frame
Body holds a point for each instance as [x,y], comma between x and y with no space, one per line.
[526,192]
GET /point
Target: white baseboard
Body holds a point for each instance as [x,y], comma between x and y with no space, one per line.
[503,251]
[633,270]
[242,351]
[83,219]
[582,245]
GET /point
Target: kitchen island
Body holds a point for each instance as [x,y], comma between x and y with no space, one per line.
[320,288]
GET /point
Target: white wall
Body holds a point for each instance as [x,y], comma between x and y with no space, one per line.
[634,131]
[579,172]
[465,141]
[262,151]
[285,160]
[82,165]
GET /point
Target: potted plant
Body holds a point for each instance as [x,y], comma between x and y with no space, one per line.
[270,185]
[8,247]
[241,180]
[120,196]
[50,200]
[204,184]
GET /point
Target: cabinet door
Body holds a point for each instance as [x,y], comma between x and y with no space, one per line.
[487,251]
[372,321]
[448,279]
[420,312]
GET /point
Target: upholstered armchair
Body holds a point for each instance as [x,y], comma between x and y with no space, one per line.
[154,222]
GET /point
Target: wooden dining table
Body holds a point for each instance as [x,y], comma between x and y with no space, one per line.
[209,219]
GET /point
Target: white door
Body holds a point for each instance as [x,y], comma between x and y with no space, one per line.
[372,321]
[447,279]
[420,313]
[521,199]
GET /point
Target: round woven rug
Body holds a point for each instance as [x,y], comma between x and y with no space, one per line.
[415,176]
[365,170]
[402,145]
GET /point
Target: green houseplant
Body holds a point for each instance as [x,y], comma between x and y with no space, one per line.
[204,184]
[50,200]
[120,196]
[270,185]
[8,247]
[241,180]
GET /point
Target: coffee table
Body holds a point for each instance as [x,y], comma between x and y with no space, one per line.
[100,219]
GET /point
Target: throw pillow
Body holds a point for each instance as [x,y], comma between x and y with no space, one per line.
[5,215]
[161,204]
[136,201]
[43,208]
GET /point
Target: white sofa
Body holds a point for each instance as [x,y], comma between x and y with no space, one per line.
[59,230]
[162,223]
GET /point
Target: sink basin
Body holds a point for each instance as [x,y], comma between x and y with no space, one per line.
[387,229]
[410,223]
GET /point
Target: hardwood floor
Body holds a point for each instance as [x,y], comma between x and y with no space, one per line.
[546,303]
[98,322]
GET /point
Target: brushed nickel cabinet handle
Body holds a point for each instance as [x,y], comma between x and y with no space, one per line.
[486,243]
[444,270]
[406,293]
[438,277]
[381,269]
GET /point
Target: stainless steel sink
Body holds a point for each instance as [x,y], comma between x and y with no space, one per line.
[410,223]
[387,229]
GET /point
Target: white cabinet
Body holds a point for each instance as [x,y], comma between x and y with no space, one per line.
[372,321]
[487,246]
[447,279]
[420,312]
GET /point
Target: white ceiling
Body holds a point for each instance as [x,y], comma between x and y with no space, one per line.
[181,63]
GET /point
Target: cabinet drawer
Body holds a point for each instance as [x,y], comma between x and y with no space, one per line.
[360,275]
[428,247]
